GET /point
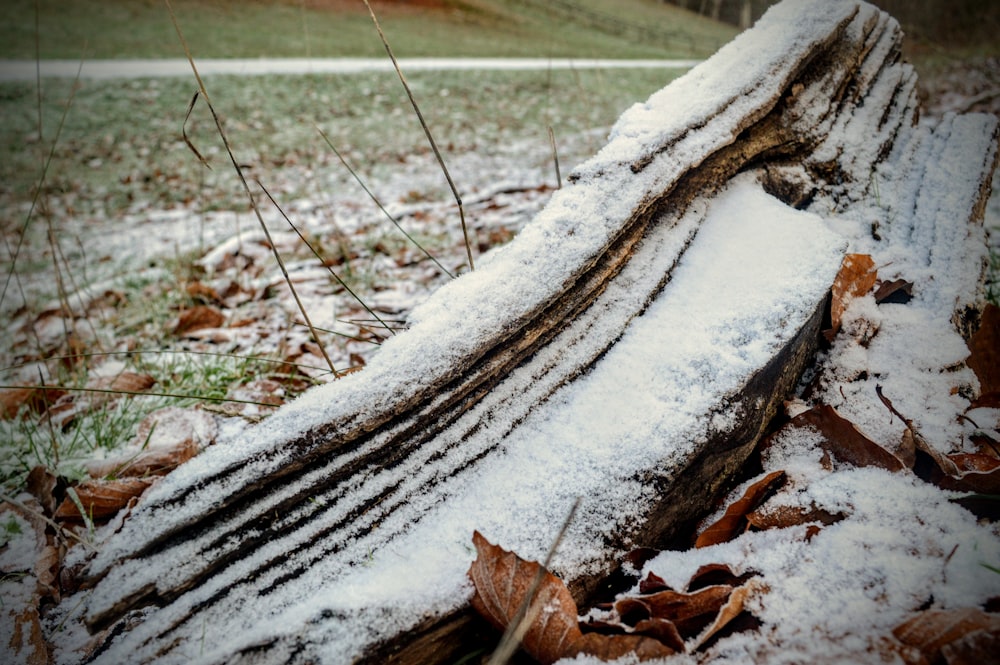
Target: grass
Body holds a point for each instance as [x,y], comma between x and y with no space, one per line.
[333,28]
[105,159]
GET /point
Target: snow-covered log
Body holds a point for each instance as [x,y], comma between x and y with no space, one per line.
[628,348]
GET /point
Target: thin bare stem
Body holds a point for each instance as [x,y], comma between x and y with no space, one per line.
[38,72]
[427,132]
[41,180]
[243,181]
[322,262]
[555,157]
[519,624]
[136,393]
[379,203]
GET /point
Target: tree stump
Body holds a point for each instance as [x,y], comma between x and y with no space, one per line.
[629,348]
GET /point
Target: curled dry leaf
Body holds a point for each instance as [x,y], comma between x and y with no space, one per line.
[975,473]
[197,318]
[856,278]
[102,499]
[613,647]
[689,612]
[503,580]
[733,522]
[41,483]
[165,439]
[712,574]
[36,399]
[897,291]
[984,355]
[781,517]
[732,608]
[844,440]
[931,631]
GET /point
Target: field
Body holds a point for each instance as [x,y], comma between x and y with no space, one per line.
[335,28]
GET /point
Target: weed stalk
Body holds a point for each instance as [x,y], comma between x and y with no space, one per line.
[427,132]
[379,204]
[246,186]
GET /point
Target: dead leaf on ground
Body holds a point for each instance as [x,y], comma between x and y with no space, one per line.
[202,293]
[933,630]
[733,522]
[199,317]
[503,580]
[689,612]
[41,484]
[732,608]
[975,473]
[897,291]
[101,391]
[712,574]
[856,278]
[781,517]
[613,647]
[36,399]
[845,441]
[984,352]
[102,499]
[28,642]
[166,438]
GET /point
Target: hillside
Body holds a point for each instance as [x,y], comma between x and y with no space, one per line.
[342,28]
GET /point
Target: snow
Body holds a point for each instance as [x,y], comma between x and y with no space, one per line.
[744,271]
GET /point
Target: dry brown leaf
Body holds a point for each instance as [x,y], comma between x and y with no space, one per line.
[202,292]
[152,462]
[856,278]
[844,441]
[975,648]
[898,291]
[503,580]
[781,517]
[733,522]
[732,608]
[714,574]
[41,483]
[36,399]
[652,583]
[930,631]
[102,499]
[975,473]
[612,647]
[689,612]
[984,351]
[662,630]
[130,382]
[165,439]
[199,317]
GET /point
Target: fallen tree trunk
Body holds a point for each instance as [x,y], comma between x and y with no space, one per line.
[628,347]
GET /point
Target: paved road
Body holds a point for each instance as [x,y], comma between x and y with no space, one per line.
[25,70]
